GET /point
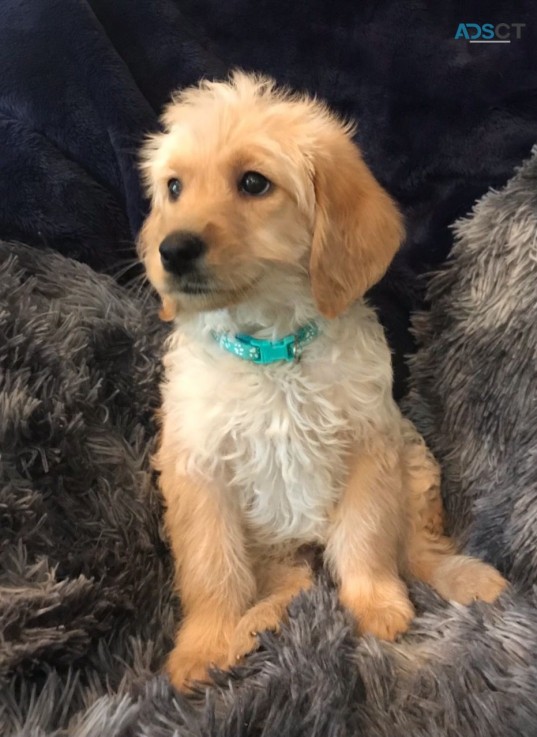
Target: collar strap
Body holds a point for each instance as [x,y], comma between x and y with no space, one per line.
[264,352]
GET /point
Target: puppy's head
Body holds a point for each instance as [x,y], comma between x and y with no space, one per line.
[247,181]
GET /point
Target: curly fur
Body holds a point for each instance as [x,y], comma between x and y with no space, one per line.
[264,448]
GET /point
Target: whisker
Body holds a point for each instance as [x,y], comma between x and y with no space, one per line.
[131,249]
[140,289]
[120,269]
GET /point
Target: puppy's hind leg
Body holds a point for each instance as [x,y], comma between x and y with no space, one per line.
[432,555]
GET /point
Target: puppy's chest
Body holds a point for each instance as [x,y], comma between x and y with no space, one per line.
[277,438]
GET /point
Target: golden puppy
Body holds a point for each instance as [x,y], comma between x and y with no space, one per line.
[278,425]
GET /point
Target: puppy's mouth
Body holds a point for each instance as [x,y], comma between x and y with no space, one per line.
[212,291]
[194,288]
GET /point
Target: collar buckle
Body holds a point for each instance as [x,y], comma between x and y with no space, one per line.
[286,349]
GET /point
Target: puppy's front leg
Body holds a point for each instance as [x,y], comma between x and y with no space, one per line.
[364,544]
[215,580]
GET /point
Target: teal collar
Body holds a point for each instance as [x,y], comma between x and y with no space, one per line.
[264,352]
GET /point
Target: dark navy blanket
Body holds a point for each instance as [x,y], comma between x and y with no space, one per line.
[81,81]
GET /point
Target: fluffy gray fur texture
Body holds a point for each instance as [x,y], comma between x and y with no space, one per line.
[86,606]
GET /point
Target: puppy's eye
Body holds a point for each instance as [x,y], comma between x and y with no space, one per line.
[254,183]
[174,188]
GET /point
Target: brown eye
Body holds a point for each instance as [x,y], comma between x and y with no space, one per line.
[174,188]
[254,183]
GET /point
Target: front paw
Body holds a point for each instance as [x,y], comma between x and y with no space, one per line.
[382,609]
[202,643]
[185,668]
[261,617]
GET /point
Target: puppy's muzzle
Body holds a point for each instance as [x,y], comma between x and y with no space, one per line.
[181,252]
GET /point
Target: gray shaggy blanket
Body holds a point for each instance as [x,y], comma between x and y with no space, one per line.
[86,605]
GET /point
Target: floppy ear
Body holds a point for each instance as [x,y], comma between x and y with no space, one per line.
[357,229]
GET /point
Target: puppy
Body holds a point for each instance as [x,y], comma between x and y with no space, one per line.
[278,425]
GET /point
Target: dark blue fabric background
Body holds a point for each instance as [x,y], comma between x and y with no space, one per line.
[81,81]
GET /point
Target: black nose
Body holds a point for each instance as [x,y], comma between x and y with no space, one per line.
[179,251]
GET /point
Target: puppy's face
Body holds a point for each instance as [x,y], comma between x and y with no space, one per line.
[245,181]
